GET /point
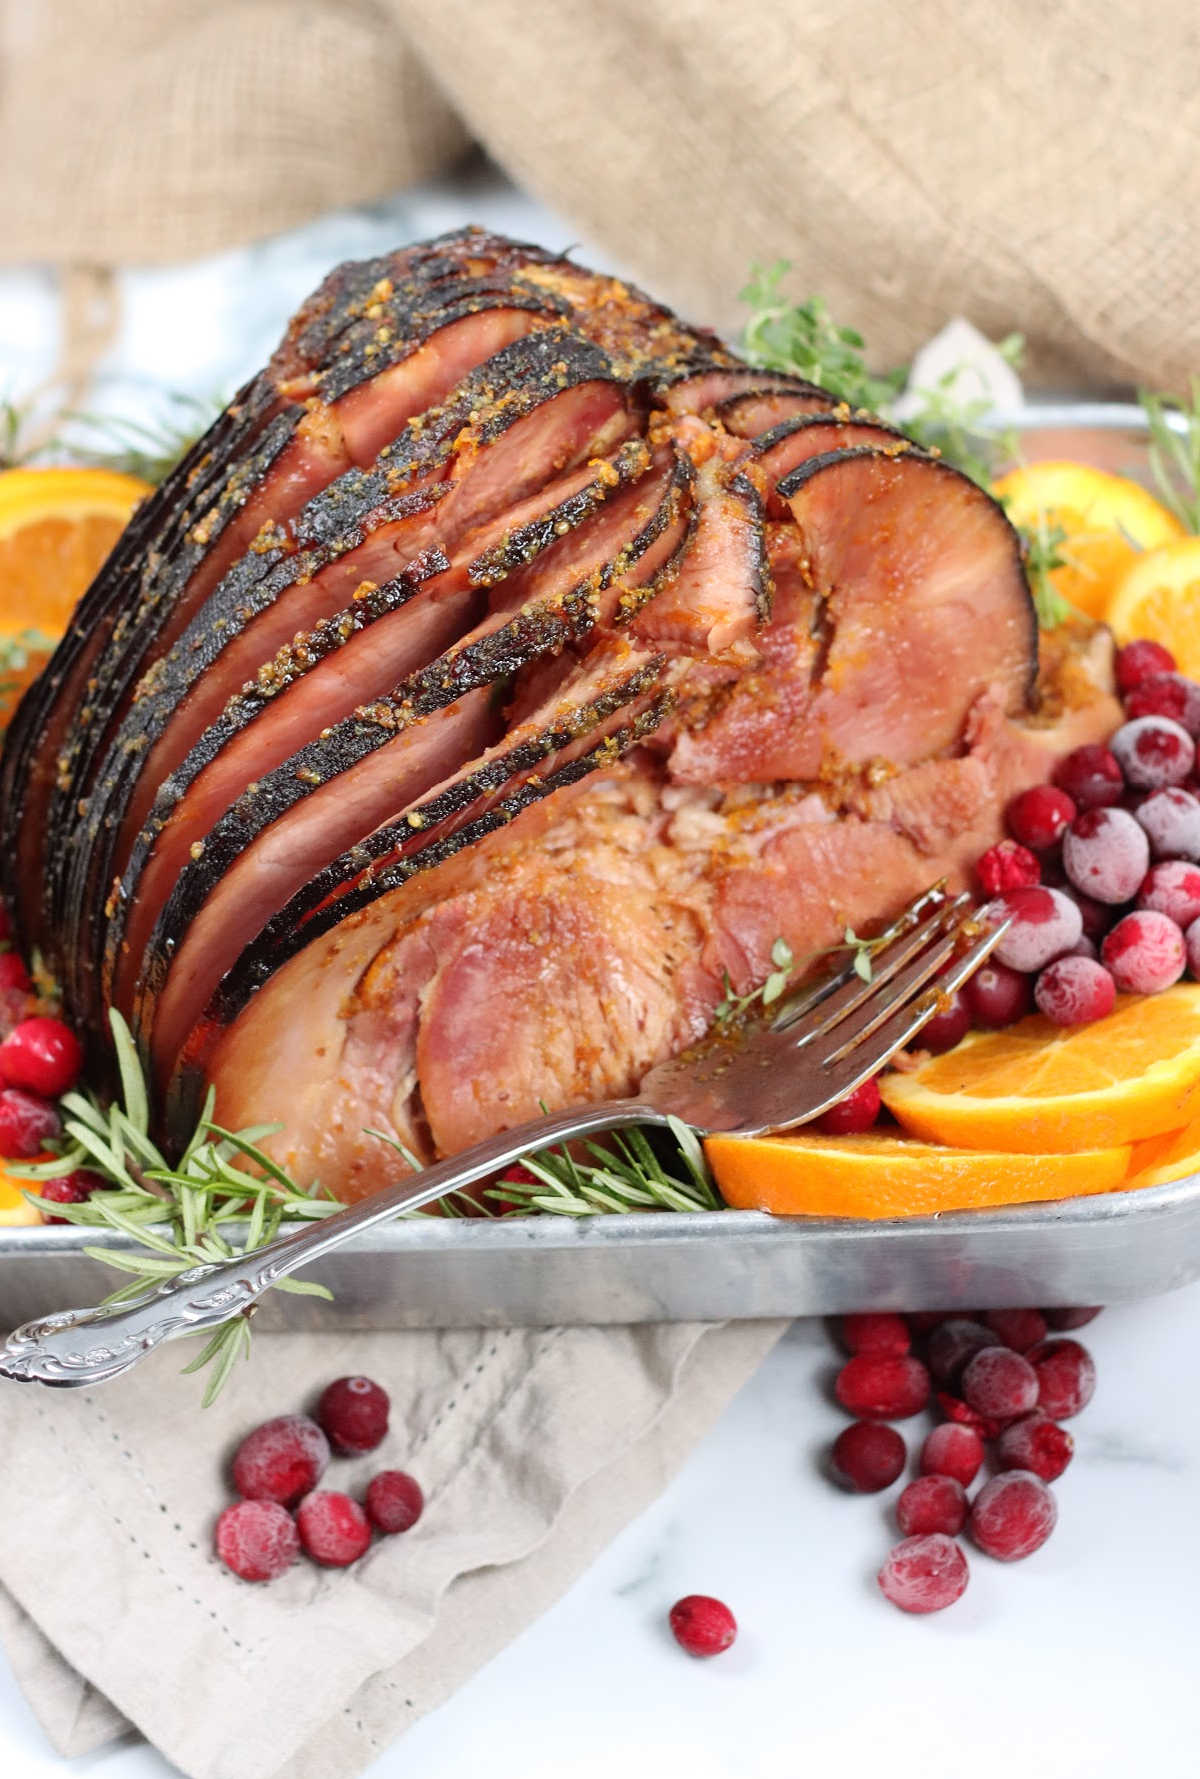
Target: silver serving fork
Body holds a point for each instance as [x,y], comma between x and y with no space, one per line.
[765,1074]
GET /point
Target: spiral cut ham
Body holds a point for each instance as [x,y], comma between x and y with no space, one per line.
[509,667]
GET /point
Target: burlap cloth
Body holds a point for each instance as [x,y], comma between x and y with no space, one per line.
[1023,164]
[534,1449]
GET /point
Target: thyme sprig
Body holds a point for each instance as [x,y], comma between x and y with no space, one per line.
[804,340]
[1045,550]
[1175,452]
[732,1006]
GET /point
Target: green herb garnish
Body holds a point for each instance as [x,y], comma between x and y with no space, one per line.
[804,340]
[1175,452]
[732,1006]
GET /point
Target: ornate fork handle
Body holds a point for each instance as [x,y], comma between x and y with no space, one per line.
[90,1346]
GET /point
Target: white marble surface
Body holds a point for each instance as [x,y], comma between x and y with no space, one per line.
[1078,1662]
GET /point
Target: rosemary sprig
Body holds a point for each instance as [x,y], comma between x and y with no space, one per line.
[624,1174]
[732,1006]
[803,339]
[1045,551]
[149,449]
[1175,452]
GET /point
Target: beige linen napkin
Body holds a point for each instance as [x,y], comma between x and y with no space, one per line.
[534,1448]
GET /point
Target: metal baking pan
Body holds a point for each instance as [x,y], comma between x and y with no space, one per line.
[428,1272]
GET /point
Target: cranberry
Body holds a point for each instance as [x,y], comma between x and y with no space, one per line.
[1007,866]
[1084,947]
[1037,817]
[1167,695]
[27,1124]
[701,1625]
[1171,819]
[883,1332]
[1045,923]
[947,1028]
[921,1321]
[881,1388]
[1066,1375]
[1000,1384]
[950,1346]
[354,1413]
[1106,854]
[1091,777]
[924,1574]
[857,1113]
[1191,941]
[867,1456]
[41,1055]
[1075,990]
[13,974]
[932,1504]
[1018,1329]
[394,1501]
[1037,1444]
[5,924]
[74,1188]
[281,1460]
[997,996]
[1153,752]
[334,1530]
[1013,1515]
[1070,1318]
[1145,952]
[1097,917]
[952,1450]
[1172,888]
[258,1540]
[1137,660]
[963,1415]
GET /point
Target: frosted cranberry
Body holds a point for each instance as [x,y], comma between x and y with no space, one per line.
[334,1530]
[1007,866]
[1138,660]
[13,974]
[1037,1444]
[924,1574]
[1018,1329]
[1091,777]
[1191,943]
[701,1625]
[867,1456]
[963,1415]
[27,1124]
[394,1501]
[42,1056]
[1172,888]
[997,996]
[932,1504]
[952,1450]
[1084,947]
[947,1028]
[258,1540]
[1167,695]
[882,1332]
[1074,990]
[1045,923]
[1066,1375]
[1000,1384]
[1106,854]
[1153,752]
[1171,819]
[1145,953]
[74,1188]
[354,1413]
[950,1346]
[1012,1516]
[1097,917]
[882,1388]
[1037,817]
[1070,1318]
[281,1460]
[857,1113]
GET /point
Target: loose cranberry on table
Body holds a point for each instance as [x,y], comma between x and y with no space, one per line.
[354,1413]
[1145,952]
[997,996]
[1071,1318]
[1045,924]
[1012,1515]
[42,1056]
[1171,819]
[954,1451]
[333,1529]
[1035,1443]
[962,1414]
[1038,816]
[1153,752]
[924,1574]
[1106,854]
[855,1114]
[394,1501]
[932,1504]
[1172,888]
[1006,866]
[27,1124]
[13,974]
[1066,1374]
[258,1540]
[1167,695]
[1091,777]
[1000,1384]
[880,1332]
[1075,990]
[702,1625]
[953,1344]
[1018,1329]
[868,1456]
[1138,660]
[878,1388]
[280,1461]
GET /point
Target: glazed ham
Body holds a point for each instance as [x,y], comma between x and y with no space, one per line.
[509,666]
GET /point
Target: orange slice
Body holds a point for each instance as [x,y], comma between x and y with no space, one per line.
[13,1208]
[1040,1088]
[1160,1160]
[56,528]
[885,1176]
[1108,520]
[1159,596]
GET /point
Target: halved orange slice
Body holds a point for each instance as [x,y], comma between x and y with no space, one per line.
[14,1208]
[1159,596]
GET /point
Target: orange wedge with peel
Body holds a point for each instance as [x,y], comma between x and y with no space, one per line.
[1038,1088]
[1159,596]
[56,528]
[1108,520]
[14,1208]
[880,1175]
